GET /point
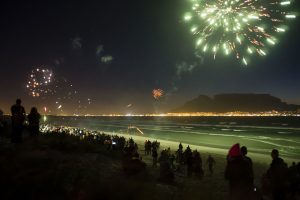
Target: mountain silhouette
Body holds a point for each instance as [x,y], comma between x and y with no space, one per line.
[236,102]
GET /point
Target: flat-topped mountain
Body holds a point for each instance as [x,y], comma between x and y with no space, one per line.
[236,102]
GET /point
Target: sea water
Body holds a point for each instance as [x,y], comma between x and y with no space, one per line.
[259,134]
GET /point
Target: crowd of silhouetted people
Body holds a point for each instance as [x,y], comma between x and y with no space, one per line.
[18,118]
[280,182]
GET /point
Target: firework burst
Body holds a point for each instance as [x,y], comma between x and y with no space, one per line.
[39,82]
[157,93]
[238,27]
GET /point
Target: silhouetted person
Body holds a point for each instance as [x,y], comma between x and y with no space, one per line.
[211,162]
[180,146]
[189,163]
[172,159]
[148,145]
[1,115]
[155,144]
[244,152]
[188,149]
[277,175]
[2,123]
[197,165]
[17,121]
[187,152]
[166,174]
[134,165]
[298,179]
[154,157]
[34,122]
[239,174]
[294,181]
[179,154]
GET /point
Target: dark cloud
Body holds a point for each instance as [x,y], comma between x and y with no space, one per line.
[77,43]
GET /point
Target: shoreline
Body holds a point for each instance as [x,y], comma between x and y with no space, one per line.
[257,157]
[260,158]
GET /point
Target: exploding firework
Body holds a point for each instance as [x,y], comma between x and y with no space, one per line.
[39,82]
[240,27]
[157,93]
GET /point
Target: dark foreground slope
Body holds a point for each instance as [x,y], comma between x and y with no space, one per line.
[59,166]
[236,102]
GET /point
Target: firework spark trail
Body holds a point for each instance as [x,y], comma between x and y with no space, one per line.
[136,128]
[107,59]
[241,27]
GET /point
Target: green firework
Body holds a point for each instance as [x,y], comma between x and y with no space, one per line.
[238,27]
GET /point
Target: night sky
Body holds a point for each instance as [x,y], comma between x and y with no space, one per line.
[116,52]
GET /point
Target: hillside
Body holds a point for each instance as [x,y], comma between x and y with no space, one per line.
[60,166]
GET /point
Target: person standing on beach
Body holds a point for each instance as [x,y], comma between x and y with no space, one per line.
[2,122]
[190,163]
[244,152]
[17,121]
[34,122]
[239,174]
[197,165]
[166,173]
[211,162]
[180,147]
[277,175]
[154,157]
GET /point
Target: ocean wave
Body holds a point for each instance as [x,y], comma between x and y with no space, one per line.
[188,127]
[223,124]
[280,132]
[227,135]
